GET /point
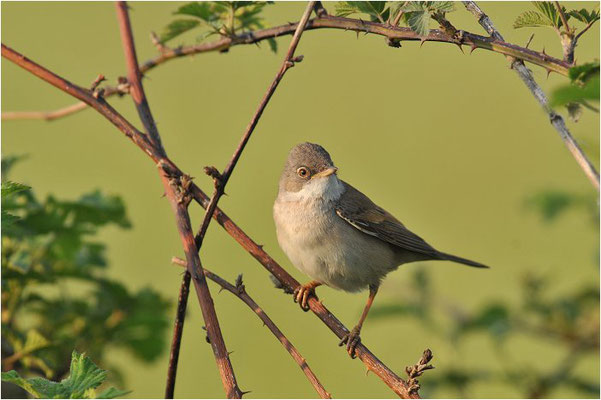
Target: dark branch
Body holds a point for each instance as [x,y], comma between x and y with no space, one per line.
[288,282]
[239,291]
[172,190]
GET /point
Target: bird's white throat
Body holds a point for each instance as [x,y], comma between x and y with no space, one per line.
[328,189]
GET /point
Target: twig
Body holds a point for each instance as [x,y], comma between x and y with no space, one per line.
[239,291]
[393,33]
[555,119]
[183,221]
[416,370]
[221,179]
[135,77]
[178,328]
[393,381]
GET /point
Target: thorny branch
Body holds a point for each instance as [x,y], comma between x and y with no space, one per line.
[239,291]
[556,120]
[287,281]
[180,209]
[394,34]
[221,180]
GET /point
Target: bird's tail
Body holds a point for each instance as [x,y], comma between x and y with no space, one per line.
[450,257]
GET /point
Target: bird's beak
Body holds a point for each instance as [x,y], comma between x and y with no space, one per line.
[326,172]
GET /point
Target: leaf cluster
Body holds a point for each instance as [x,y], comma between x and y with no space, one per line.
[416,14]
[84,377]
[224,18]
[55,296]
[584,88]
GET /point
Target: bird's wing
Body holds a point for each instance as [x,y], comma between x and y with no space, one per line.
[359,211]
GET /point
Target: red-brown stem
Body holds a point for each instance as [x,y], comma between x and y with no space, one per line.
[178,328]
[331,22]
[221,181]
[172,186]
[134,76]
[239,291]
[398,385]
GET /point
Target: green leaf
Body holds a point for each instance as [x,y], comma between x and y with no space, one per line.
[200,10]
[574,94]
[13,377]
[529,19]
[375,9]
[10,187]
[442,6]
[83,378]
[419,22]
[178,27]
[581,73]
[8,163]
[111,393]
[549,11]
[273,45]
[584,15]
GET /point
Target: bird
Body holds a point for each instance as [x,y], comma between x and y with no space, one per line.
[337,236]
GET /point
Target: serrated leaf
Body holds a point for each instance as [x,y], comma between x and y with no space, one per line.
[419,22]
[375,9]
[13,377]
[549,11]
[83,378]
[415,6]
[529,19]
[9,187]
[196,9]
[583,15]
[442,6]
[178,27]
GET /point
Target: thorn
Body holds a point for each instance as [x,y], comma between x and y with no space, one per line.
[460,48]
[473,47]
[245,392]
[357,32]
[549,72]
[421,42]
[529,40]
[230,352]
[260,246]
[220,290]
[544,51]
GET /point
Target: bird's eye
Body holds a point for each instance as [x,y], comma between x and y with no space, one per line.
[303,172]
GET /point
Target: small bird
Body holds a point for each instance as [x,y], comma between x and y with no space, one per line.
[337,236]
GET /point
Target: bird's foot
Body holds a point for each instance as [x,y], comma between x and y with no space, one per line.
[303,293]
[352,339]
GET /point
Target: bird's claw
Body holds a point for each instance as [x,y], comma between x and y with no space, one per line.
[302,294]
[352,339]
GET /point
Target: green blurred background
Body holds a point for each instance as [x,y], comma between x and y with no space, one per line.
[450,143]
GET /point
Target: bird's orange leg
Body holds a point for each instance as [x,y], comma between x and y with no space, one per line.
[352,338]
[304,292]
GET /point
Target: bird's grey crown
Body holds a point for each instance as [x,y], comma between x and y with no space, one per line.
[308,155]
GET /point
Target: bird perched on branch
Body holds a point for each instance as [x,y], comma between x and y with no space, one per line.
[337,235]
